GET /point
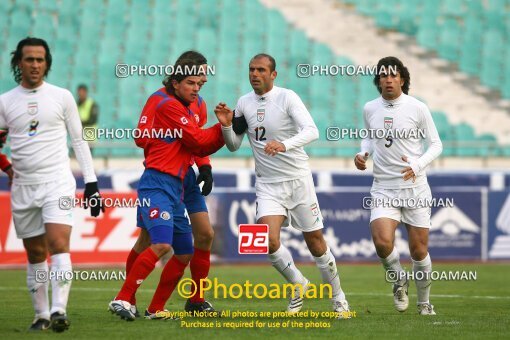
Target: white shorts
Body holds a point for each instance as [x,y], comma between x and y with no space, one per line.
[33,205]
[403,205]
[294,199]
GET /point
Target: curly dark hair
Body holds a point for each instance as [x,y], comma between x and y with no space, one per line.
[191,56]
[182,69]
[387,62]
[18,54]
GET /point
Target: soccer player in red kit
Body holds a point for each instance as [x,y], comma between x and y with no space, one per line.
[167,161]
[194,202]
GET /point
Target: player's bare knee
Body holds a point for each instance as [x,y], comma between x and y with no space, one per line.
[274,245]
[58,246]
[37,254]
[383,247]
[141,244]
[184,259]
[204,239]
[317,245]
[418,252]
[161,249]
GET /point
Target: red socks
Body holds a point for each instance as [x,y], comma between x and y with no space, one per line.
[170,276]
[142,267]
[129,264]
[199,267]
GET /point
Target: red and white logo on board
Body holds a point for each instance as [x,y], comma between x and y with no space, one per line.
[253,239]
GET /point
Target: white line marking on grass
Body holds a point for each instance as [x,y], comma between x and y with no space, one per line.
[448,296]
[453,296]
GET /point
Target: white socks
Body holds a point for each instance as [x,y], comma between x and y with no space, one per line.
[392,262]
[284,264]
[327,266]
[423,285]
[37,283]
[61,279]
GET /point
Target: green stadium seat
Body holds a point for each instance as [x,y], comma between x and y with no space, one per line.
[385,15]
[44,26]
[24,4]
[406,13]
[488,146]
[5,7]
[449,40]
[428,32]
[89,37]
[206,39]
[492,53]
[299,46]
[470,55]
[466,140]
[453,8]
[367,7]
[276,38]
[20,26]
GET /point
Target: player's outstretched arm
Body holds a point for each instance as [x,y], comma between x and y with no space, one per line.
[225,117]
[201,142]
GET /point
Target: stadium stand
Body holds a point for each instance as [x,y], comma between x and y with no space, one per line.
[89,40]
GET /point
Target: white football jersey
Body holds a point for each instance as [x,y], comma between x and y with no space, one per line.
[411,119]
[38,121]
[278,115]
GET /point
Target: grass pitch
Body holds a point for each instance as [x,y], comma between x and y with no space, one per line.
[465,309]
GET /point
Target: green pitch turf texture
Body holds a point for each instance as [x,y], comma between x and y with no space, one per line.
[465,309]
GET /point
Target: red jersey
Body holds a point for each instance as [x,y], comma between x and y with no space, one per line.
[199,110]
[173,155]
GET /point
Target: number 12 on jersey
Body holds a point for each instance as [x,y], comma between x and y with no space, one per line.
[260,131]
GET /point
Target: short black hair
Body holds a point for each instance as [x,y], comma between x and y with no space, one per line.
[18,54]
[189,56]
[385,64]
[272,62]
[83,87]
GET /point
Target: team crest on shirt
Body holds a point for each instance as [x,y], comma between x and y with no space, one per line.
[143,120]
[315,209]
[165,215]
[32,108]
[388,123]
[32,130]
[197,118]
[260,114]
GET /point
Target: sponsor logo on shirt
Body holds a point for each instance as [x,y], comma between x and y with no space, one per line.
[33,127]
[153,213]
[184,120]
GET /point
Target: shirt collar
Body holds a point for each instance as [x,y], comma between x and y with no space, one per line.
[34,90]
[266,95]
[394,102]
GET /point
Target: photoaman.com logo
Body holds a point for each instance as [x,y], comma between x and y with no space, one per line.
[253,239]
